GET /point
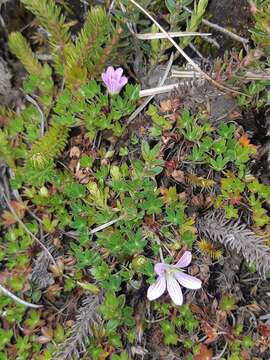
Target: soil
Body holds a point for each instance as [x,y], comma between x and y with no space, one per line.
[233,15]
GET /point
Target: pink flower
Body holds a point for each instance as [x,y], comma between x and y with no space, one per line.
[114,80]
[171,277]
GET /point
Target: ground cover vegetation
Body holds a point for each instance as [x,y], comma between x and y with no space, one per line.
[125,233]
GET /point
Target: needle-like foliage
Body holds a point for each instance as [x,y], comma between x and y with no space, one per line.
[48,147]
[86,319]
[54,22]
[88,49]
[237,237]
[21,48]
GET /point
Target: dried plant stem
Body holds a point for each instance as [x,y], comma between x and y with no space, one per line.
[182,52]
[161,82]
[75,234]
[212,41]
[184,74]
[26,229]
[197,52]
[104,226]
[220,29]
[152,36]
[158,90]
[17,299]
[42,117]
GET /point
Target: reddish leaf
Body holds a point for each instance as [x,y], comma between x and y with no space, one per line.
[209,331]
[264,330]
[205,353]
[245,142]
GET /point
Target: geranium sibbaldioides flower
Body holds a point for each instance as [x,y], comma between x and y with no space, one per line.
[171,277]
[114,80]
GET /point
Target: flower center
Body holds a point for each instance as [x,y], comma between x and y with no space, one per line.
[170,271]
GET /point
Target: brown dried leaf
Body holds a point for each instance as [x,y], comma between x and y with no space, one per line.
[255,308]
[264,329]
[196,309]
[179,175]
[43,339]
[57,269]
[75,152]
[209,331]
[8,218]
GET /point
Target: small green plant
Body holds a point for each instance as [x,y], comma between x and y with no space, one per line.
[119,206]
[227,303]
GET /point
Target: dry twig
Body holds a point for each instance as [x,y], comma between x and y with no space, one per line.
[221,29]
[26,229]
[182,52]
[17,299]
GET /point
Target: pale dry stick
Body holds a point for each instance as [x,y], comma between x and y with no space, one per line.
[111,7]
[42,117]
[220,29]
[193,48]
[17,299]
[146,102]
[212,42]
[158,90]
[182,52]
[154,36]
[104,226]
[74,234]
[184,74]
[26,229]
[249,75]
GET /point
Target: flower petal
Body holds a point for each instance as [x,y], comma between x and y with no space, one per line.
[157,289]
[188,281]
[160,268]
[174,290]
[123,81]
[117,74]
[110,71]
[105,78]
[185,260]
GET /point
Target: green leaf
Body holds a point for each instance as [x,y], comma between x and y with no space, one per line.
[90,90]
[93,289]
[227,130]
[5,337]
[188,238]
[153,205]
[170,4]
[75,190]
[132,92]
[86,161]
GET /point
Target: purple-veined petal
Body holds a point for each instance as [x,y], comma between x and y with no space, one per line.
[118,73]
[157,289]
[110,71]
[123,81]
[104,78]
[174,290]
[185,260]
[114,87]
[114,80]
[159,268]
[188,281]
